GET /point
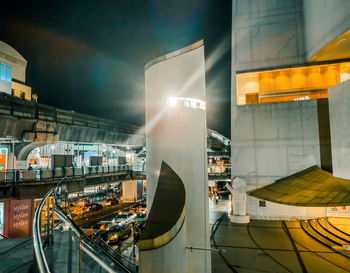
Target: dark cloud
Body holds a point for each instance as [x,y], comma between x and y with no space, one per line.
[89,56]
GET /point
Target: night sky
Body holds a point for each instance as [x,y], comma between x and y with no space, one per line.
[89,56]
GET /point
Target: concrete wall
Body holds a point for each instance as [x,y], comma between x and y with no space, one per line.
[177,135]
[18,88]
[266,33]
[270,141]
[274,211]
[324,21]
[339,113]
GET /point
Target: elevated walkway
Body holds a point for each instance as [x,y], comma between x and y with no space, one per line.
[24,184]
[35,122]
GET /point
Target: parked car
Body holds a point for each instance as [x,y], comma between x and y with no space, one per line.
[140,216]
[83,202]
[115,233]
[118,233]
[93,207]
[102,225]
[124,218]
[111,202]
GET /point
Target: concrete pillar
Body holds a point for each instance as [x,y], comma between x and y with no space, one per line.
[176,134]
[239,201]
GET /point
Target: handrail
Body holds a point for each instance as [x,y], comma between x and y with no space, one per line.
[89,247]
[90,251]
[38,246]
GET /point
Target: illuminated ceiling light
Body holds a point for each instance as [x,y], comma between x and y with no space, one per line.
[186,102]
[171,102]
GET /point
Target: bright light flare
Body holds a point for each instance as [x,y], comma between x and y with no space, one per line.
[171,102]
[186,102]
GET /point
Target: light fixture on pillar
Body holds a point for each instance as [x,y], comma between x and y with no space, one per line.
[186,102]
[171,102]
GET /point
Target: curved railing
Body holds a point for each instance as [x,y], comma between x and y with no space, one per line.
[65,245]
[37,240]
[61,197]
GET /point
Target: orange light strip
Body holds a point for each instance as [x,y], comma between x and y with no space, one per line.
[290,84]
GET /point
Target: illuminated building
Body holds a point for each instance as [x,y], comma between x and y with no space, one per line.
[290,95]
[13,73]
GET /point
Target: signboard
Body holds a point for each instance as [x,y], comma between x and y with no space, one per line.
[3,159]
[18,218]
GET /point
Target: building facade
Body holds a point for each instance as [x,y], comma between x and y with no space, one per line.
[13,73]
[287,57]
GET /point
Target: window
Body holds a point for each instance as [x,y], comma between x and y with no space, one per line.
[22,95]
[290,84]
[5,72]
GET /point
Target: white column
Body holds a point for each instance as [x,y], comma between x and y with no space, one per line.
[176,133]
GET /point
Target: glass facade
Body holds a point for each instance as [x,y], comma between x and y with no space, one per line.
[5,78]
[5,72]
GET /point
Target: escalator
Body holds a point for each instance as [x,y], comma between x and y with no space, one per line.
[67,248]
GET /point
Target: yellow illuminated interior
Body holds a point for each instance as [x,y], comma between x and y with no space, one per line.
[290,84]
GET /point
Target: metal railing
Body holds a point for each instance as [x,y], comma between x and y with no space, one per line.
[58,173]
[38,241]
[65,247]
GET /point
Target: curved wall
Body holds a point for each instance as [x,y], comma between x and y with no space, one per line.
[177,135]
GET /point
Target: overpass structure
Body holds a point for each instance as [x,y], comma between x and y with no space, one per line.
[27,125]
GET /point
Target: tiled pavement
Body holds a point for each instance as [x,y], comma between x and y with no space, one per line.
[264,246]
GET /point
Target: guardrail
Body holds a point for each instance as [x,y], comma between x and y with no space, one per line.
[57,173]
[67,244]
[38,244]
[10,105]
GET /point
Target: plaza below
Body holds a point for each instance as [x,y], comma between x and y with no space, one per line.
[272,246]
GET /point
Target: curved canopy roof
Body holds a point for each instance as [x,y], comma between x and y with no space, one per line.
[8,50]
[311,187]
